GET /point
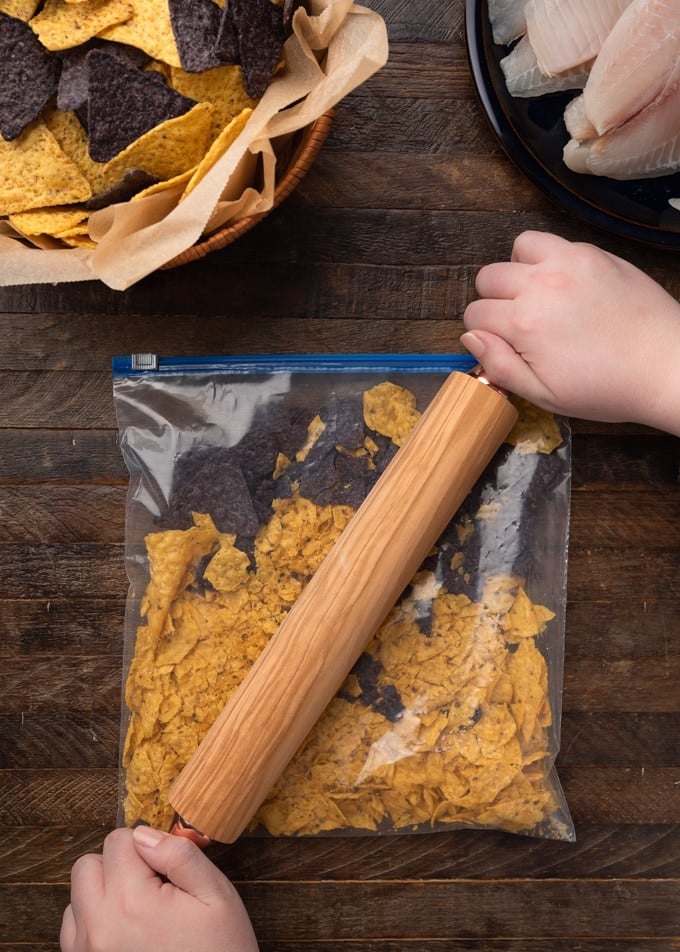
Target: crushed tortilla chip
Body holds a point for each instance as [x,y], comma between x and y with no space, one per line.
[536,430]
[443,720]
[391,411]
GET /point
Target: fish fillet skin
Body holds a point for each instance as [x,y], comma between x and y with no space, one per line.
[646,146]
[508,21]
[523,78]
[568,33]
[634,62]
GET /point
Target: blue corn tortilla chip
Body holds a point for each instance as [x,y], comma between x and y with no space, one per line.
[227,38]
[29,75]
[130,183]
[124,103]
[196,25]
[215,474]
[72,93]
[289,8]
[259,26]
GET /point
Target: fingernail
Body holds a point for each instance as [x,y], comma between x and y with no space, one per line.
[147,836]
[473,343]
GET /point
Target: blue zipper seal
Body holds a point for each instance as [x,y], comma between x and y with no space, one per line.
[141,365]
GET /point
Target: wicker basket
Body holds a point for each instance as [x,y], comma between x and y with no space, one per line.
[305,148]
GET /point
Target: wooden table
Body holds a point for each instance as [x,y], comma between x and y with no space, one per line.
[377,251]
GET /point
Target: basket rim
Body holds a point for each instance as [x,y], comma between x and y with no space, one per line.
[311,139]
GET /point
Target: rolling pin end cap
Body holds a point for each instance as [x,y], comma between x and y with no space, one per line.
[480,374]
[181,828]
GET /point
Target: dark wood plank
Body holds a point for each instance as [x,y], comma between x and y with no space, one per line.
[62,626]
[467,910]
[39,456]
[59,797]
[417,23]
[71,570]
[56,739]
[613,461]
[71,514]
[620,631]
[460,910]
[68,399]
[596,574]
[85,684]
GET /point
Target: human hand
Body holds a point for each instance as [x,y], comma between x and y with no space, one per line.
[149,890]
[578,331]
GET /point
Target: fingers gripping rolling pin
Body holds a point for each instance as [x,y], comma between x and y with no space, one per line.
[340,609]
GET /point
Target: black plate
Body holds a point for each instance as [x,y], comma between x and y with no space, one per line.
[533,134]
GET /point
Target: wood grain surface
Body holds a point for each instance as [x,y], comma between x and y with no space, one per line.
[376,251]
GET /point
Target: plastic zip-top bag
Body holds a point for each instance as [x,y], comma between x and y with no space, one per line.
[243,473]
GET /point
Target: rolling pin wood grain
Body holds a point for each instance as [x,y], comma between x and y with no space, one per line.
[340,609]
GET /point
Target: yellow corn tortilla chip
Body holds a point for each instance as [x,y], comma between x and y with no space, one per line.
[228,568]
[175,182]
[78,241]
[222,86]
[220,145]
[148,29]
[525,619]
[35,173]
[76,232]
[61,25]
[391,411]
[48,221]
[21,9]
[167,150]
[536,430]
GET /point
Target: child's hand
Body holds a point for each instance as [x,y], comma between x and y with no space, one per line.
[121,903]
[578,331]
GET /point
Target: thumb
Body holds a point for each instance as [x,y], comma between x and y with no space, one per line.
[183,864]
[504,366]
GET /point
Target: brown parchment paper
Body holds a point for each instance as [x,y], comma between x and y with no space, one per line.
[332,50]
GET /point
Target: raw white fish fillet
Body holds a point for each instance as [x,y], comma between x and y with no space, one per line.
[577,122]
[568,33]
[507,20]
[634,62]
[523,78]
[646,146]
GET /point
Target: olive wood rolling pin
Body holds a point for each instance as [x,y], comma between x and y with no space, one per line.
[340,609]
